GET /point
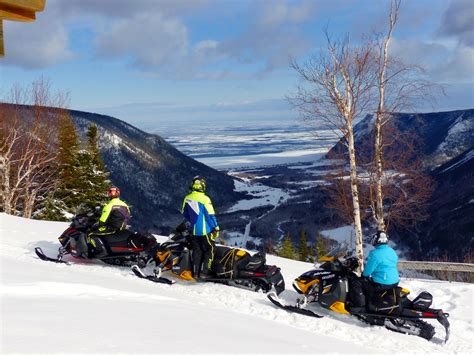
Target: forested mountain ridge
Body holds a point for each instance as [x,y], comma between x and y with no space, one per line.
[153,175]
[441,136]
[445,145]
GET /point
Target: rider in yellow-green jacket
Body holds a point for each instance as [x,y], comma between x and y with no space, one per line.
[114,218]
[198,210]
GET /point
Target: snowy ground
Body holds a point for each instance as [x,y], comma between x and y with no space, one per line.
[262,195]
[89,307]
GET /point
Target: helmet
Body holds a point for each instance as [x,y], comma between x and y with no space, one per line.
[113,192]
[198,184]
[379,238]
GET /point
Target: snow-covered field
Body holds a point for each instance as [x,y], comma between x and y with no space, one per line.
[89,307]
[265,159]
[262,195]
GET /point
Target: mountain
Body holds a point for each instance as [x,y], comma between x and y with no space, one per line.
[89,307]
[449,230]
[445,142]
[440,136]
[152,175]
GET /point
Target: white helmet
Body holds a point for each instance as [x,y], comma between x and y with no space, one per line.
[379,238]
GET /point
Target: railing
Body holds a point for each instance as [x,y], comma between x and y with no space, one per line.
[449,268]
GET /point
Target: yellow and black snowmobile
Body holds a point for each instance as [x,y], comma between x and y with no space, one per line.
[329,285]
[231,266]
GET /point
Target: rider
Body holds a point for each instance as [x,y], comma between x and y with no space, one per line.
[197,209]
[380,272]
[381,264]
[114,219]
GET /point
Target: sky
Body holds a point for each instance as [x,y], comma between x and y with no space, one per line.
[152,61]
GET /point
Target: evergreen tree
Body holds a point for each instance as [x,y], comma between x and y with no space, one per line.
[287,250]
[67,195]
[94,177]
[83,178]
[303,251]
[321,247]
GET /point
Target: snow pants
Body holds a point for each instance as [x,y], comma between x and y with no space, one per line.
[203,254]
[362,290]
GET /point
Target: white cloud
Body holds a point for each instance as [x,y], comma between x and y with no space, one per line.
[38,44]
[150,39]
[458,22]
[459,68]
[416,51]
[280,13]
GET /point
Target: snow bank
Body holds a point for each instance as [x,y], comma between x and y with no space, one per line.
[89,307]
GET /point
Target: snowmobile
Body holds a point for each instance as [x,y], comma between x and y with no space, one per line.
[124,249]
[329,286]
[231,266]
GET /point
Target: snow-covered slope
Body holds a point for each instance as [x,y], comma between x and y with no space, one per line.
[90,307]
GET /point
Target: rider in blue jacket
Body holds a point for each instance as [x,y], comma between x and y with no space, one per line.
[382,262]
[380,273]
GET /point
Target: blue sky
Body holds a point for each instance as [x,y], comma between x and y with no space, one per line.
[148,61]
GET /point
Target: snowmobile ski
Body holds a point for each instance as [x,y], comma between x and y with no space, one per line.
[162,280]
[44,257]
[290,308]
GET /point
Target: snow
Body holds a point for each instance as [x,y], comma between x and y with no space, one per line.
[461,125]
[90,307]
[464,160]
[262,195]
[267,159]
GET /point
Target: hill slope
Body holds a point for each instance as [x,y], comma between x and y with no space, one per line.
[447,143]
[89,307]
[153,176]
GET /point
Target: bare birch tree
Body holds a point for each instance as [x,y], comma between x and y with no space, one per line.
[399,87]
[338,91]
[28,146]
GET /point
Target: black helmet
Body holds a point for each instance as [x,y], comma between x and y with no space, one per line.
[379,238]
[198,184]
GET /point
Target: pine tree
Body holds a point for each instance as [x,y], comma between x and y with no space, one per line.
[94,177]
[321,247]
[83,177]
[303,251]
[287,249]
[67,195]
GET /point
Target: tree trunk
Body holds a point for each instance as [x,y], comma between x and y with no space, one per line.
[29,202]
[379,214]
[355,198]
[6,188]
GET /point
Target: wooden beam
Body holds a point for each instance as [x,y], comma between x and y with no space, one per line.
[2,50]
[31,5]
[16,14]
[18,10]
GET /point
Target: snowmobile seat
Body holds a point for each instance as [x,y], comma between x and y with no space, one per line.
[228,261]
[423,301]
[256,262]
[117,239]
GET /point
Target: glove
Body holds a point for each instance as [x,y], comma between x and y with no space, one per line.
[214,234]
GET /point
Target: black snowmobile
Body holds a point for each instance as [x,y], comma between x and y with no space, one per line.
[231,266]
[329,286]
[124,249]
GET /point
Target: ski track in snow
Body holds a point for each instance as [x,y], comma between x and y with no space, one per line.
[90,307]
